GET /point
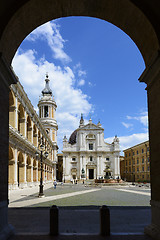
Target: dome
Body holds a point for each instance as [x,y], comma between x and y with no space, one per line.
[72,139]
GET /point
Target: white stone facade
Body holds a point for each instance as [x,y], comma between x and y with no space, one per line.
[87,156]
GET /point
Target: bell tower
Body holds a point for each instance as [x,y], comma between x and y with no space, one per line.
[47,111]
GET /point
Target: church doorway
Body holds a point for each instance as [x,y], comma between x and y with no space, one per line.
[91,173]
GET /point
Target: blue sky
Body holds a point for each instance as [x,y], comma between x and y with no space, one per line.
[93,69]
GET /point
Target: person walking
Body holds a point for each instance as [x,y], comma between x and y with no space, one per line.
[55,184]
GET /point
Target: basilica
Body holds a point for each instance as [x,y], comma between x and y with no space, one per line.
[87,156]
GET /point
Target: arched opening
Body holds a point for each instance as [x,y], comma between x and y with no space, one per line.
[21,120]
[35,138]
[139,29]
[34,171]
[91,171]
[28,170]
[29,129]
[20,170]
[126,15]
[11,167]
[12,108]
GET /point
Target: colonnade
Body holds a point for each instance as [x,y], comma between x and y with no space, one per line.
[24,170]
[26,134]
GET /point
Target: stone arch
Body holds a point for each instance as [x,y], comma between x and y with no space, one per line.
[11,166]
[35,139]
[29,129]
[11,99]
[11,154]
[28,169]
[12,108]
[123,14]
[20,169]
[21,119]
[139,19]
[34,171]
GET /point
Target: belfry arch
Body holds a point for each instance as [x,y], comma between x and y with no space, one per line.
[138,19]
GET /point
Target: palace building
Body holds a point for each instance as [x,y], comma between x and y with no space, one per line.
[87,156]
[136,164]
[28,133]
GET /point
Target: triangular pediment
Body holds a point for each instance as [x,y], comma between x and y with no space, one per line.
[91,126]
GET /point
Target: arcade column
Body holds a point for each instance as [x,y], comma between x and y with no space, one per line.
[6,79]
[151,76]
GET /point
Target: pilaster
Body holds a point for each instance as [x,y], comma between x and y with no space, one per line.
[31,170]
[15,169]
[98,175]
[6,78]
[25,170]
[151,76]
[16,113]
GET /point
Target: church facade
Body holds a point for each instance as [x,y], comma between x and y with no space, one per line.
[87,156]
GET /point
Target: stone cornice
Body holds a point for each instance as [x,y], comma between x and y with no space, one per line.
[20,142]
[6,74]
[152,73]
[90,152]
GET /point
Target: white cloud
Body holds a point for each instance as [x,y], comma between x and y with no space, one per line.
[81,82]
[71,102]
[49,32]
[81,73]
[91,84]
[127,125]
[131,140]
[143,118]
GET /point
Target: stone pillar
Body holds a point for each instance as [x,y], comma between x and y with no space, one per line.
[51,134]
[52,175]
[25,124]
[37,171]
[151,76]
[64,167]
[31,171]
[15,169]
[55,134]
[97,139]
[50,112]
[98,167]
[80,167]
[100,137]
[52,156]
[16,113]
[31,131]
[55,155]
[25,170]
[6,78]
[55,177]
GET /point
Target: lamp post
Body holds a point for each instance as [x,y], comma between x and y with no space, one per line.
[41,194]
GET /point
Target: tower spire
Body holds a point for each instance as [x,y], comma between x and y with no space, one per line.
[81,121]
[47,90]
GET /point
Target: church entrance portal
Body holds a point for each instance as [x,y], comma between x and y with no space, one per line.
[91,173]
